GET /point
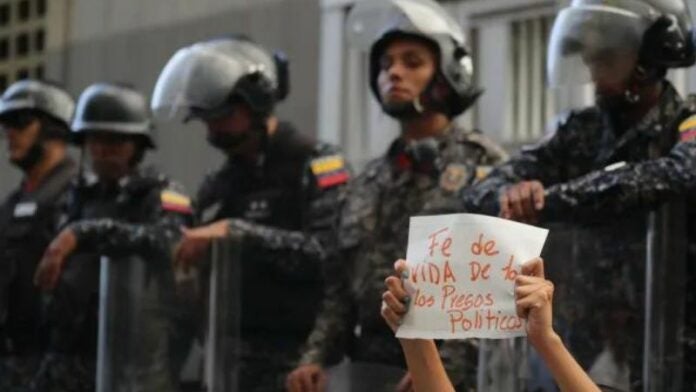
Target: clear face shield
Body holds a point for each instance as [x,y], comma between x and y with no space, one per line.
[369,20]
[595,43]
[198,80]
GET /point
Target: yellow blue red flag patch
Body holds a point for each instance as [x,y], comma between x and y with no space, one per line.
[175,202]
[330,171]
[687,129]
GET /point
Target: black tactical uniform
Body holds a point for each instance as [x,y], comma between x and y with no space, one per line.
[135,221]
[286,211]
[595,174]
[28,218]
[284,202]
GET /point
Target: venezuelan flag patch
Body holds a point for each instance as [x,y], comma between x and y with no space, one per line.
[687,129]
[175,202]
[330,171]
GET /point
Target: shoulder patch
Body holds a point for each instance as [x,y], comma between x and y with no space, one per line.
[493,152]
[455,176]
[327,164]
[687,129]
[330,171]
[175,202]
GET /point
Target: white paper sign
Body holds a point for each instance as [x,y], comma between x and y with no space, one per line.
[462,271]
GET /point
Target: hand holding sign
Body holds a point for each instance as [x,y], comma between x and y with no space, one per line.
[461,277]
[534,300]
[395,301]
[534,297]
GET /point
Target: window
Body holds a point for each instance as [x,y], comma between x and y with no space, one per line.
[39,40]
[4,14]
[3,82]
[23,10]
[532,102]
[22,44]
[39,72]
[41,7]
[22,73]
[4,48]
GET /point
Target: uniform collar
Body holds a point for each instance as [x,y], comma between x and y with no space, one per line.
[652,123]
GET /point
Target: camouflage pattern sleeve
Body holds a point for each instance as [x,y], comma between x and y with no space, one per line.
[625,186]
[334,326]
[168,209]
[300,252]
[542,162]
[328,342]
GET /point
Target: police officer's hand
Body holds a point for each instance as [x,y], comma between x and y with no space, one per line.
[522,201]
[306,378]
[194,243]
[534,301]
[395,300]
[52,263]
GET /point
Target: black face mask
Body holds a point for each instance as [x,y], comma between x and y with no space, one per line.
[230,143]
[31,158]
[227,142]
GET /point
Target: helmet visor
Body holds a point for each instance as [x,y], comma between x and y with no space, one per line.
[369,20]
[201,78]
[594,43]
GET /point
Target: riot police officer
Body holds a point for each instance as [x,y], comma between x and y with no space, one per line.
[597,165]
[279,189]
[124,212]
[421,74]
[35,116]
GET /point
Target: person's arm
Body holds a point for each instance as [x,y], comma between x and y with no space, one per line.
[168,211]
[422,356]
[541,163]
[534,301]
[112,237]
[329,338]
[292,252]
[333,327]
[425,366]
[328,342]
[564,368]
[623,187]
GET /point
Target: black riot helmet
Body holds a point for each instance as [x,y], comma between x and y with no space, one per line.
[113,108]
[204,78]
[29,100]
[372,25]
[36,99]
[658,34]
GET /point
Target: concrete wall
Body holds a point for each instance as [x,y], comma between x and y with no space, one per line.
[131,40]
